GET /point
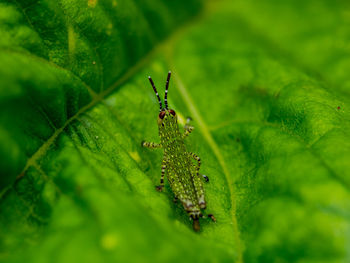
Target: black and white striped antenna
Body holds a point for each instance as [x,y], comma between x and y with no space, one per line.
[166,90]
[156,92]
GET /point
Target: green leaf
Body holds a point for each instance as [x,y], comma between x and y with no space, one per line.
[265,83]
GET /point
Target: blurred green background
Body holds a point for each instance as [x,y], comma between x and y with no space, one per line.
[267,84]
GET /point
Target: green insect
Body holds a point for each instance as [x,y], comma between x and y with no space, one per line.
[181,166]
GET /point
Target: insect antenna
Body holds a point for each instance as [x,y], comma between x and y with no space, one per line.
[166,90]
[156,92]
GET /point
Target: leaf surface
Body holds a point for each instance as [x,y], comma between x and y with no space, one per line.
[271,128]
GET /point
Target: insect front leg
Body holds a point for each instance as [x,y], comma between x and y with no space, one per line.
[151,145]
[164,166]
[188,128]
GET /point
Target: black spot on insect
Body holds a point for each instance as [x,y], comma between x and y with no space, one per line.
[206,178]
[159,188]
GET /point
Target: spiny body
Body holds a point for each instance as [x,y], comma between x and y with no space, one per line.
[182,174]
[182,166]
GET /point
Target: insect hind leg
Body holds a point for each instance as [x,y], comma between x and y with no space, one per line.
[196,157]
[212,217]
[197,182]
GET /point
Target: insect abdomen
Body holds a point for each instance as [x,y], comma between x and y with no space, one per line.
[184,193]
[183,181]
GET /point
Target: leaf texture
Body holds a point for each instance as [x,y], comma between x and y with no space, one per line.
[268,93]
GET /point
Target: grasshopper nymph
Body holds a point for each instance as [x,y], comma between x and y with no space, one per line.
[181,166]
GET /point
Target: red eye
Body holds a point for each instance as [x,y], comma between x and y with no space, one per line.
[172,112]
[161,115]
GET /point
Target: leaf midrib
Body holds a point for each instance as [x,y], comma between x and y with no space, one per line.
[214,147]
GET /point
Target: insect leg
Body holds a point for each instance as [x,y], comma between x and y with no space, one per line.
[188,120]
[161,186]
[151,145]
[212,217]
[198,183]
[196,157]
[188,128]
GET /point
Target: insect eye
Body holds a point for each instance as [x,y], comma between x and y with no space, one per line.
[172,112]
[161,114]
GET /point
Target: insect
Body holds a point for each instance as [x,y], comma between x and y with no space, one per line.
[182,167]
